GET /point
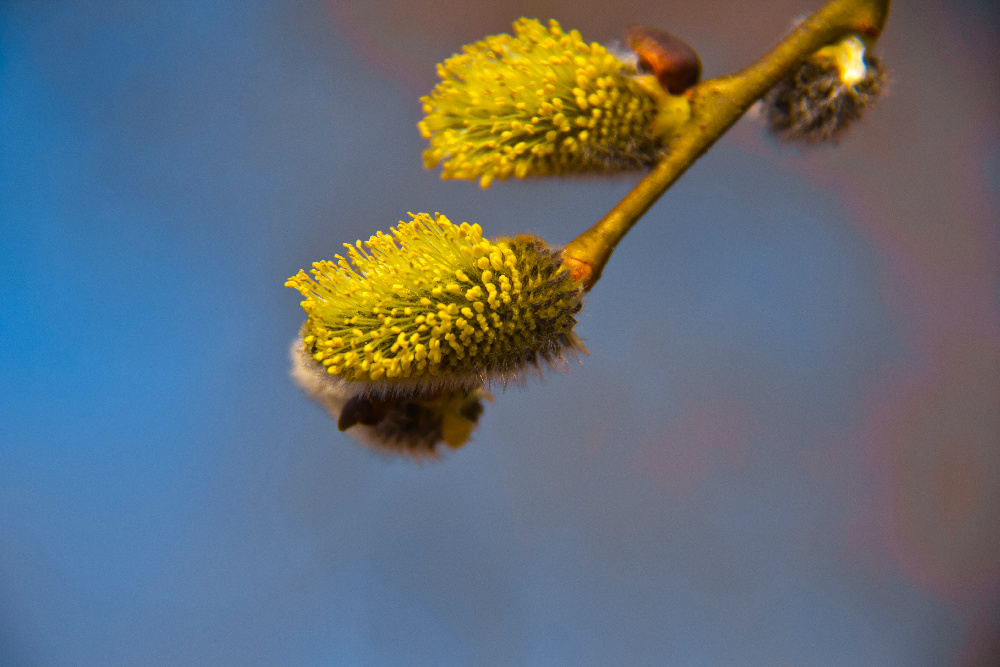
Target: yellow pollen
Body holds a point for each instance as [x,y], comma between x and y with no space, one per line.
[511,106]
[391,311]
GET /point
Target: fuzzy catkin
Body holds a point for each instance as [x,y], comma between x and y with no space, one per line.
[421,427]
[435,305]
[544,102]
[825,94]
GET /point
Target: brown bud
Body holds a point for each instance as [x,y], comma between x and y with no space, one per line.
[676,65]
[362,410]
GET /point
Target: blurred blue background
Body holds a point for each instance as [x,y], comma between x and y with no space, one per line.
[784,448]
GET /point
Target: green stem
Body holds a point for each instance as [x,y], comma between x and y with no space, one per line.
[716,105]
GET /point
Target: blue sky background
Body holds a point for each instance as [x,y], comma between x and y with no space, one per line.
[782,449]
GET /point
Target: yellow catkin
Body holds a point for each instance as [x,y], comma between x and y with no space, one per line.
[434,303]
[544,102]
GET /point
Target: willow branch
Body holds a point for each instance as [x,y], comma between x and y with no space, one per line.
[716,104]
